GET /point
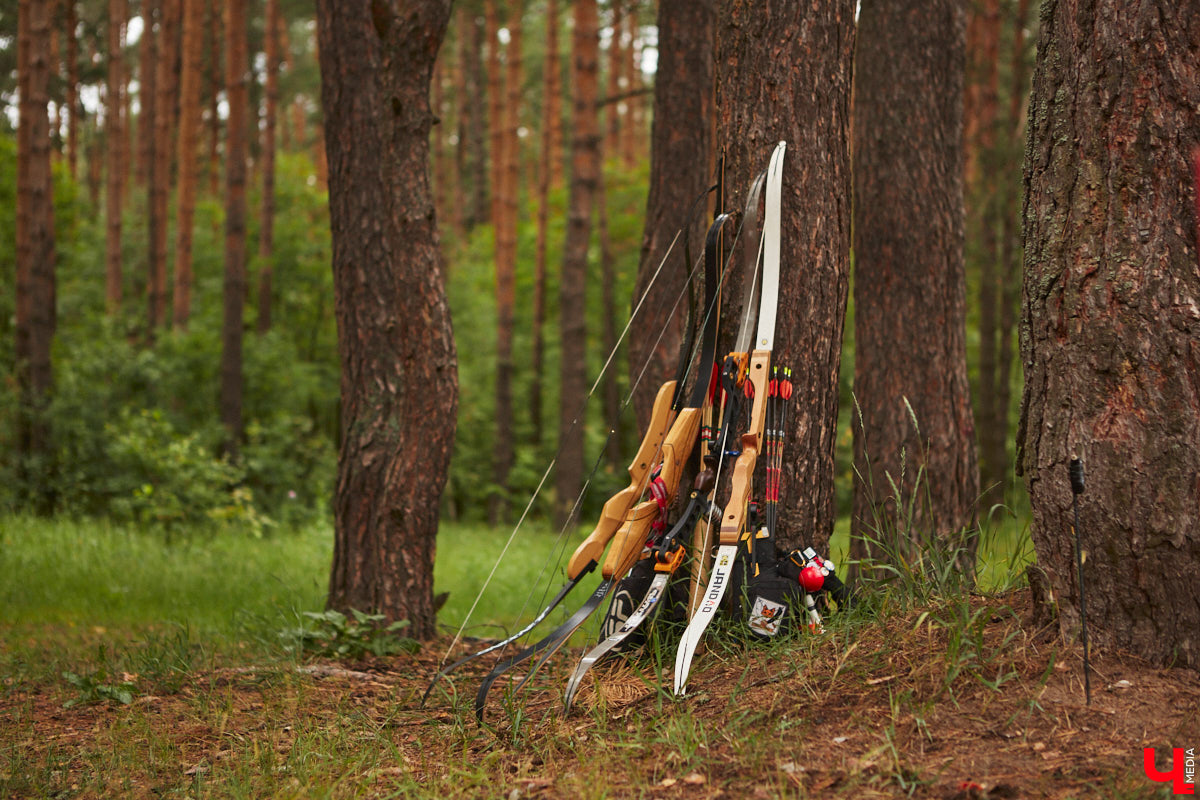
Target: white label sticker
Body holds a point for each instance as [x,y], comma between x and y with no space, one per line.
[766,617]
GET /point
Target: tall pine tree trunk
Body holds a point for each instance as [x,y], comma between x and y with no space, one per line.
[73,104]
[266,230]
[35,273]
[399,373]
[1110,329]
[236,81]
[909,289]
[585,173]
[796,56]
[474,137]
[114,135]
[191,66]
[147,95]
[160,183]
[508,173]
[215,85]
[549,159]
[681,139]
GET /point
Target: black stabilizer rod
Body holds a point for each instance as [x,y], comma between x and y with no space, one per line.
[1076,471]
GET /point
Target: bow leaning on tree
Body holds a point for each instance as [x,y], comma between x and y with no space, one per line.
[629,541]
[587,555]
[756,383]
[669,551]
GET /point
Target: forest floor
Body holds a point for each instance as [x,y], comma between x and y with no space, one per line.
[953,700]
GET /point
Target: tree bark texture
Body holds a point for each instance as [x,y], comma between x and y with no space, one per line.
[191,66]
[909,288]
[234,289]
[585,174]
[399,371]
[167,89]
[506,192]
[266,229]
[1110,329]
[783,74]
[549,159]
[681,139]
[114,135]
[35,268]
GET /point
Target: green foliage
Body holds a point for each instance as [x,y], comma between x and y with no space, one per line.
[335,635]
[96,687]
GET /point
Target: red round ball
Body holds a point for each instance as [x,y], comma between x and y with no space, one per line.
[811,578]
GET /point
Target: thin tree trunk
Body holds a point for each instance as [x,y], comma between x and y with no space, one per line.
[191,68]
[507,157]
[767,53]
[475,127]
[151,14]
[115,135]
[1110,328]
[266,233]
[551,136]
[585,173]
[909,288]
[160,182]
[236,81]
[215,85]
[35,269]
[616,81]
[73,104]
[495,101]
[634,118]
[399,374]
[608,337]
[680,153]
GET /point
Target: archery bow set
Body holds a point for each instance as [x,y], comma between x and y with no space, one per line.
[641,543]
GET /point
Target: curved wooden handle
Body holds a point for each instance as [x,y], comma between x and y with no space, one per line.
[617,508]
[630,540]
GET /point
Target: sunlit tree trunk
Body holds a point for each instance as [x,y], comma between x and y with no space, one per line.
[399,374]
[35,268]
[1110,328]
[237,67]
[917,478]
[585,173]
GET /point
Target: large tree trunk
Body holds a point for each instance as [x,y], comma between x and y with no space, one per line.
[909,290]
[236,79]
[266,231]
[35,277]
[191,66]
[399,373]
[548,166]
[784,70]
[585,173]
[1110,333]
[681,138]
[114,134]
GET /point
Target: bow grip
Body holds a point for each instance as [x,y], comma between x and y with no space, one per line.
[630,540]
[613,515]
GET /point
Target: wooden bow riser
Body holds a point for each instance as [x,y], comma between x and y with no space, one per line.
[616,510]
[631,538]
[742,483]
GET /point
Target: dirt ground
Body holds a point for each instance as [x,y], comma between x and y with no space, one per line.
[906,709]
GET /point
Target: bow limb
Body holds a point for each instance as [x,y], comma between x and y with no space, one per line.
[616,510]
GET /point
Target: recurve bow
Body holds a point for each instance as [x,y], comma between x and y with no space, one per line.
[629,540]
[733,516]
